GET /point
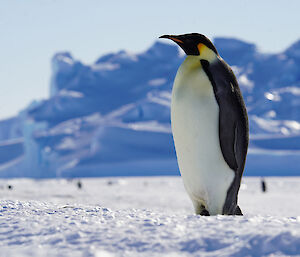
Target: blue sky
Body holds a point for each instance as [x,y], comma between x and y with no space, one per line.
[33,30]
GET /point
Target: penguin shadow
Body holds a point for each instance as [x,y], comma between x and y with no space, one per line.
[9,187]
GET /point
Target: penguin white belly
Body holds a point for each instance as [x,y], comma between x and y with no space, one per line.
[195,127]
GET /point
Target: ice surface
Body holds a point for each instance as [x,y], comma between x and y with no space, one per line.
[144,217]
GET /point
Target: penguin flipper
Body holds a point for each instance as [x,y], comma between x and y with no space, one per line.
[233,120]
[233,125]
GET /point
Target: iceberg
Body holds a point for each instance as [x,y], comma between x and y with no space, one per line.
[112,118]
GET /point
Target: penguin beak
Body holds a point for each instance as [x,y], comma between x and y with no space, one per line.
[172,37]
[188,46]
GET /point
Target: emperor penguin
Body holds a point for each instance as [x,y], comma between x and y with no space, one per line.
[210,127]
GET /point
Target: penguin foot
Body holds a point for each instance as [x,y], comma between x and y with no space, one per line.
[200,209]
[204,212]
[238,211]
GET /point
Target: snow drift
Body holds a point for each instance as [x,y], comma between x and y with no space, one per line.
[144,217]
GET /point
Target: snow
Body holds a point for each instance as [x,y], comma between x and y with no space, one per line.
[144,216]
[272,97]
[106,66]
[243,79]
[275,94]
[70,93]
[65,58]
[157,82]
[291,127]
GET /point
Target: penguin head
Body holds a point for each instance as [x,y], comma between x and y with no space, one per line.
[194,44]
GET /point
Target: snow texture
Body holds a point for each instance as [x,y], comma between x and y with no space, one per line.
[144,217]
[112,118]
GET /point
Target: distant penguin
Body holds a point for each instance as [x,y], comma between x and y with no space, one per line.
[263,185]
[210,127]
[9,187]
[79,184]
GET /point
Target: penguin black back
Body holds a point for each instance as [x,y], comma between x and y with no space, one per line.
[233,123]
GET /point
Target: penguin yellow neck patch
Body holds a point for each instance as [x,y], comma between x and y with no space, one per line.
[200,47]
[206,53]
